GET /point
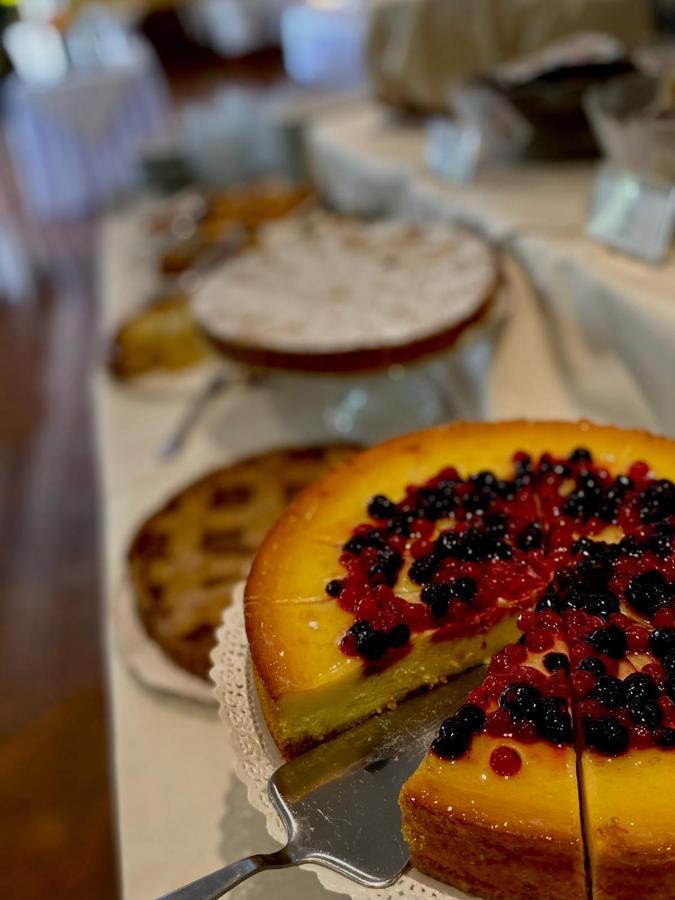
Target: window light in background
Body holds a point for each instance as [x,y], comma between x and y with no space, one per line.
[323,42]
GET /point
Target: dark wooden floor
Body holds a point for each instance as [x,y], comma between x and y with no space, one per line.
[56,832]
[55,827]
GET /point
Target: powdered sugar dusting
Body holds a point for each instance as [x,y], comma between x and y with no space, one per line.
[318,283]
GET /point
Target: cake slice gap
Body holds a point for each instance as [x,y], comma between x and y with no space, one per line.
[623,677]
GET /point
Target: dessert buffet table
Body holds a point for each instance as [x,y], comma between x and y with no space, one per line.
[181,810]
[606,308]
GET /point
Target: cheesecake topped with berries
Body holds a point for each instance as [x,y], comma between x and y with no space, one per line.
[434,552]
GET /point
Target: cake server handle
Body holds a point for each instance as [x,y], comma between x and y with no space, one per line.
[223,880]
[174,443]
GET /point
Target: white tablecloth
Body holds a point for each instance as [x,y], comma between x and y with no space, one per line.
[181,811]
[74,144]
[614,317]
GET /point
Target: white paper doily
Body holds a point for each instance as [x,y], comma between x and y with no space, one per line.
[256,758]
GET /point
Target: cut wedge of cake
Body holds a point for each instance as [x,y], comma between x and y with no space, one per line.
[493,809]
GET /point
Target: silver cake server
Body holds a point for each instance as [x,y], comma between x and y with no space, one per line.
[339,801]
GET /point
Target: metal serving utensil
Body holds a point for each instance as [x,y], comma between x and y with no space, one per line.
[339,801]
[219,382]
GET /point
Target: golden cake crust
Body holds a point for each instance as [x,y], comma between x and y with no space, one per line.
[453,851]
[500,839]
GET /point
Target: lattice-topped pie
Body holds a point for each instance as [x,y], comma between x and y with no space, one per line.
[186,558]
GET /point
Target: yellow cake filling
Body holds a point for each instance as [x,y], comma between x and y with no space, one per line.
[343,695]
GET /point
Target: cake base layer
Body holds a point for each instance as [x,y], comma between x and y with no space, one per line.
[522,840]
[526,885]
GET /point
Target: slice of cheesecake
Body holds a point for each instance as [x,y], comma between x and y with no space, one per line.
[493,809]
